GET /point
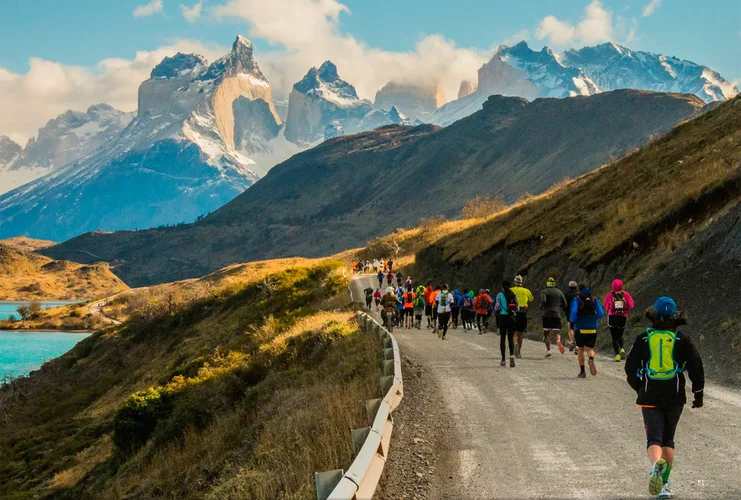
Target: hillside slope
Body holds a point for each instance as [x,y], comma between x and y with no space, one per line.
[29,276]
[349,189]
[665,219]
[241,392]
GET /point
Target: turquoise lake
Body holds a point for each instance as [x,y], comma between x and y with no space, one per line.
[22,352]
[8,309]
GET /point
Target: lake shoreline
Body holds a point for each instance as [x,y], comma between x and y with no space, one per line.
[43,330]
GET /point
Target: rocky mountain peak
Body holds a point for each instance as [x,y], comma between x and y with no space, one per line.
[326,82]
[328,72]
[238,61]
[177,65]
[9,149]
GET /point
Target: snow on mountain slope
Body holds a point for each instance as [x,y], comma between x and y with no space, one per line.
[319,99]
[64,139]
[521,71]
[178,158]
[614,67]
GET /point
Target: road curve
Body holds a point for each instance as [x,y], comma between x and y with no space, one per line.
[536,431]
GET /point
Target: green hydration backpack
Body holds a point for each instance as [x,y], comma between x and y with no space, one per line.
[444,300]
[661,364]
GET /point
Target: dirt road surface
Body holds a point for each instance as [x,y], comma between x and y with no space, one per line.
[536,431]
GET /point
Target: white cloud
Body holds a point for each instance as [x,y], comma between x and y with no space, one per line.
[49,88]
[595,27]
[308,31]
[651,7]
[191,14]
[150,9]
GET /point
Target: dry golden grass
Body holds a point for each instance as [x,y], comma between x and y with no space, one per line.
[25,244]
[85,461]
[29,276]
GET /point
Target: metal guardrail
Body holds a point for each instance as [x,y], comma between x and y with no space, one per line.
[370,444]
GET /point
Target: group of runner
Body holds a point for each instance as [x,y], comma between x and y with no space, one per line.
[654,367]
[367,267]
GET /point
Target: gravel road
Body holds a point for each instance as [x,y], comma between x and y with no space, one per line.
[536,431]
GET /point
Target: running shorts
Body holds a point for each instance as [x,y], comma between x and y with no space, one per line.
[661,424]
[551,323]
[428,309]
[585,339]
[521,319]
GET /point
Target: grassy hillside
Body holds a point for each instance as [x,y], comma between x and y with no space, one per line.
[29,276]
[350,189]
[243,392]
[25,244]
[666,219]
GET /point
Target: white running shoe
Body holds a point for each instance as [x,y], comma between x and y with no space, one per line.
[666,491]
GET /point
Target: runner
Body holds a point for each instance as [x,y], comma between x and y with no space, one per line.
[408,284]
[433,298]
[419,307]
[552,301]
[586,312]
[399,279]
[377,295]
[524,297]
[455,308]
[468,312]
[617,304]
[354,267]
[368,297]
[507,311]
[482,303]
[429,292]
[390,279]
[408,298]
[400,307]
[654,368]
[388,304]
[391,265]
[444,300]
[380,276]
[571,294]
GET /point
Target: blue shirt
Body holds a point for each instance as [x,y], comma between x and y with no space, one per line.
[585,322]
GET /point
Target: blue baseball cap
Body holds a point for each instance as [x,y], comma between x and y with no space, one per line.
[665,307]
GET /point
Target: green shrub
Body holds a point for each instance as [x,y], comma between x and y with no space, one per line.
[136,419]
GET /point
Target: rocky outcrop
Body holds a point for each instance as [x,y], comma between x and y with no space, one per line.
[467,88]
[9,150]
[414,100]
[183,155]
[319,99]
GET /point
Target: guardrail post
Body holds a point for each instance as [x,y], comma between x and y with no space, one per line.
[387,343]
[371,406]
[388,366]
[386,383]
[358,439]
[388,353]
[326,482]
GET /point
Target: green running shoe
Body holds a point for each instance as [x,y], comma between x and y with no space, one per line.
[617,358]
[655,481]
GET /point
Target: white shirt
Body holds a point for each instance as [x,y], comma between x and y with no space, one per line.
[444,308]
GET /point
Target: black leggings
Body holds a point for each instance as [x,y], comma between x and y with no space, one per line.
[455,311]
[661,424]
[485,318]
[617,327]
[507,328]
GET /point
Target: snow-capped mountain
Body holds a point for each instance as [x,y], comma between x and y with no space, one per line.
[521,71]
[614,67]
[64,139]
[183,155]
[320,98]
[379,118]
[412,99]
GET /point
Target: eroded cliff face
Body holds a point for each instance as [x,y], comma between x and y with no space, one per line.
[414,100]
[467,88]
[498,77]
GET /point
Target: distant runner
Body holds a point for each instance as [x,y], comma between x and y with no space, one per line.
[429,299]
[571,294]
[444,300]
[507,308]
[380,276]
[552,302]
[524,297]
[482,303]
[617,304]
[368,297]
[434,297]
[455,308]
[419,307]
[468,311]
[408,298]
[377,295]
[654,368]
[586,312]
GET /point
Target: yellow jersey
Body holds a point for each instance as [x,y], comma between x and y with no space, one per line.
[524,296]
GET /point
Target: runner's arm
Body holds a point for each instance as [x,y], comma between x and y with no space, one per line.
[634,364]
[693,364]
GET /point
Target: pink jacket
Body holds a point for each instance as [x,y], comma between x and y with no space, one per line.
[617,286]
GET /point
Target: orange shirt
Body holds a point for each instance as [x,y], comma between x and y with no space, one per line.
[408,304]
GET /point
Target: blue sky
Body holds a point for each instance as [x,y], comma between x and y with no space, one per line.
[102,50]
